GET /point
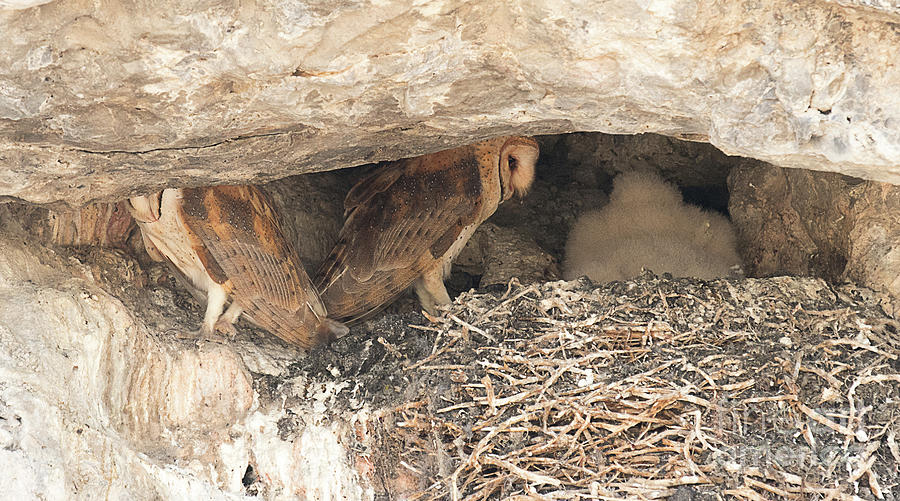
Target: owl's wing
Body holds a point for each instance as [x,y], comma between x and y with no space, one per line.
[399,221]
[241,231]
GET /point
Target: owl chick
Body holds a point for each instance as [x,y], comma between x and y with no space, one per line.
[647,225]
[227,241]
[407,221]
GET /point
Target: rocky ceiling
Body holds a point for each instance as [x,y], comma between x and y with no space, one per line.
[103,98]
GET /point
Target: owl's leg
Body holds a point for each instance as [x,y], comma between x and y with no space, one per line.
[431,291]
[215,303]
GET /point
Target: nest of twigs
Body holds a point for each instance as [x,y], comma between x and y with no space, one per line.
[750,389]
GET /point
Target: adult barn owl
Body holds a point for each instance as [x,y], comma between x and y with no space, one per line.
[407,221]
[227,241]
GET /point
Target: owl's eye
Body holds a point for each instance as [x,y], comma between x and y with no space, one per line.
[513,163]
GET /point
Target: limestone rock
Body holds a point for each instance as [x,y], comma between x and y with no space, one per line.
[96,402]
[793,221]
[774,239]
[102,99]
[499,254]
[101,224]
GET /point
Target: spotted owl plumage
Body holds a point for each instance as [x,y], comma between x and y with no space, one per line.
[408,220]
[228,243]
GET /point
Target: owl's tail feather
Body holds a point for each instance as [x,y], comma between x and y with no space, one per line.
[328,330]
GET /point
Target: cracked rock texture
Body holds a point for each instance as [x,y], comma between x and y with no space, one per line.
[97,402]
[797,222]
[103,98]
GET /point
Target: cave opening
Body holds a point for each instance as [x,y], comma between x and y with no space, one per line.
[525,238]
[576,175]
[164,388]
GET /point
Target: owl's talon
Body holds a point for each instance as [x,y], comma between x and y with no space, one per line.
[203,336]
[225,327]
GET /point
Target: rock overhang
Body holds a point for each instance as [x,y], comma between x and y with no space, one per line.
[99,100]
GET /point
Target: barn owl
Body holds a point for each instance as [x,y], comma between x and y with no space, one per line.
[407,221]
[228,242]
[647,225]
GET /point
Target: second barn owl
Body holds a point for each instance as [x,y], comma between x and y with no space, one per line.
[228,242]
[407,221]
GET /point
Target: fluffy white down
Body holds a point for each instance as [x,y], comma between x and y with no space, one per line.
[647,225]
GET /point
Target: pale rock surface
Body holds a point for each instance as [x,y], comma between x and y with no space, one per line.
[104,98]
[647,225]
[797,222]
[94,405]
[21,4]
